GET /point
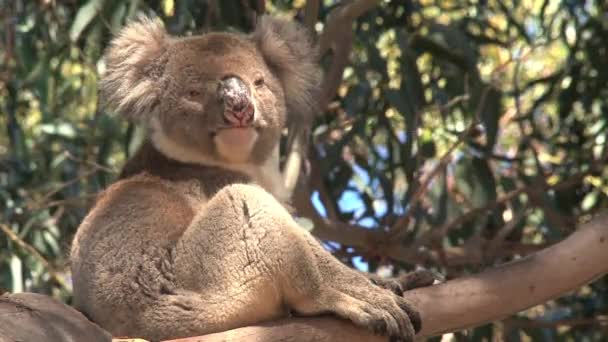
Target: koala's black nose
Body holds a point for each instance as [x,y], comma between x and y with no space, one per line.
[234,93]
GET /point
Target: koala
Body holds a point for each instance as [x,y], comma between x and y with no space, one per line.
[194,237]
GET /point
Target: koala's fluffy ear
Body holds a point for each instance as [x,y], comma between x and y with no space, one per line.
[290,51]
[134,61]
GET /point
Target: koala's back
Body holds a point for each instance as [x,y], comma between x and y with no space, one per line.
[113,254]
[121,255]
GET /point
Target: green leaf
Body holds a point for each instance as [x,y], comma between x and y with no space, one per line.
[84,16]
[51,243]
[16,273]
[590,200]
[305,223]
[64,129]
[118,16]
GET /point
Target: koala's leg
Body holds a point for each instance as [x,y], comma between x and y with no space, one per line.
[245,247]
[327,285]
[223,269]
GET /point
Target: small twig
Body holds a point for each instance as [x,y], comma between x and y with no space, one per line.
[33,252]
[442,231]
[494,244]
[95,165]
[293,164]
[400,227]
[75,201]
[95,168]
[452,102]
[536,198]
[316,182]
[64,185]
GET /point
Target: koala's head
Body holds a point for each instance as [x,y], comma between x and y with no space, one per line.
[213,98]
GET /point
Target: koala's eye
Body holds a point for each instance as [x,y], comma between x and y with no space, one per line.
[259,81]
[194,93]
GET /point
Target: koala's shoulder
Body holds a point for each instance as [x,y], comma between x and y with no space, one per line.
[145,193]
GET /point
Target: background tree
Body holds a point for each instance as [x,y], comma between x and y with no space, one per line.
[454,135]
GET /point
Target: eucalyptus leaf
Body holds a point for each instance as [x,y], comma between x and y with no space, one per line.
[84,17]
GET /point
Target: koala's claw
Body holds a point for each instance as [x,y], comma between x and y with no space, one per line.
[416,279]
[379,326]
[391,284]
[390,315]
[397,286]
[409,281]
[412,313]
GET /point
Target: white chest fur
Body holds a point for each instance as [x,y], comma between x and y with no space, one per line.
[267,175]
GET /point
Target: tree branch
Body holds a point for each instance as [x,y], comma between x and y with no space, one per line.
[311,13]
[31,250]
[507,289]
[399,228]
[374,240]
[341,20]
[464,302]
[338,37]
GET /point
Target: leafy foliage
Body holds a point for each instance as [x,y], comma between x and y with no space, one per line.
[462,134]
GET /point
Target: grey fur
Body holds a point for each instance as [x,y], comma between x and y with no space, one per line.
[193,238]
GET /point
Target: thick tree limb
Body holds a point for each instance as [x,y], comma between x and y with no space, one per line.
[36,317]
[504,290]
[468,301]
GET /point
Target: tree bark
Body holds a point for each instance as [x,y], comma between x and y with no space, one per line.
[465,302]
[36,317]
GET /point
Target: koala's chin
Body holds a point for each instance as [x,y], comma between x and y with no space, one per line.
[235,145]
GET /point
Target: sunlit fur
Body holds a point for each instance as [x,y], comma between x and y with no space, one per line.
[134,63]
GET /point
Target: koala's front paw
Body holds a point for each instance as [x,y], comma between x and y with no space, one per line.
[418,278]
[391,284]
[395,317]
[379,310]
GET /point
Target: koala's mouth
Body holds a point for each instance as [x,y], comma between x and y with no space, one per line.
[237,129]
[237,121]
